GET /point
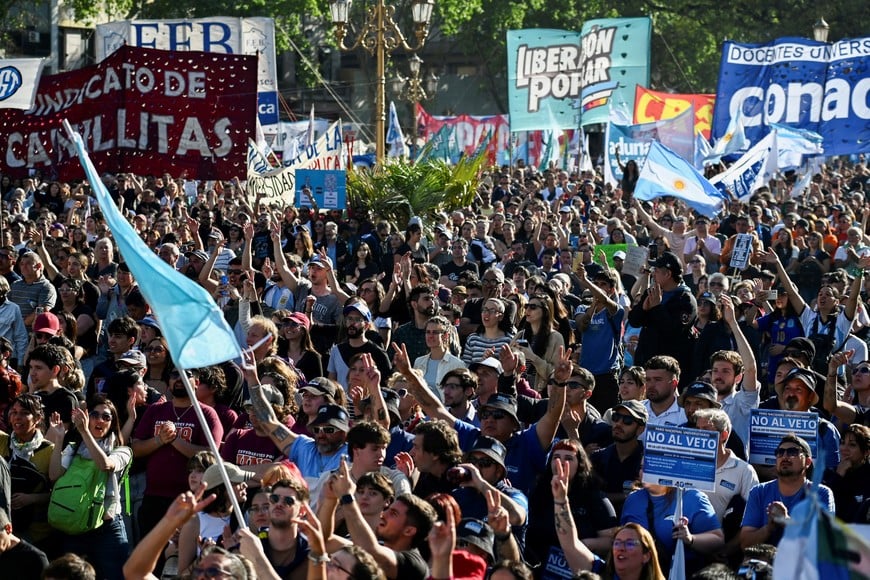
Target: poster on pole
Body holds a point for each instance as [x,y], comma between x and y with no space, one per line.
[767,427]
[742,252]
[680,457]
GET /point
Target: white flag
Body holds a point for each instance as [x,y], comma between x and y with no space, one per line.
[19,78]
[395,137]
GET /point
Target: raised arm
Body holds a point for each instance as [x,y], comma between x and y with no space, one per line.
[278,432]
[280,265]
[655,229]
[841,410]
[794,296]
[548,424]
[579,556]
[750,367]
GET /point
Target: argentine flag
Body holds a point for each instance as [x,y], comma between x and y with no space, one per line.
[733,141]
[666,173]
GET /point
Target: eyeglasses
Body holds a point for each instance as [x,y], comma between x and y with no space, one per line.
[492,311]
[695,262]
[327,430]
[366,290]
[497,415]
[288,500]
[210,572]
[234,272]
[97,415]
[532,306]
[717,284]
[259,509]
[788,452]
[626,544]
[157,349]
[491,281]
[622,418]
[44,336]
[483,462]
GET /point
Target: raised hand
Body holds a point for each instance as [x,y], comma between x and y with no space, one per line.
[56,431]
[400,359]
[563,366]
[497,516]
[559,483]
[405,463]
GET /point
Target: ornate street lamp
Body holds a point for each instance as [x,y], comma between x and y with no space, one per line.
[380,36]
[821,30]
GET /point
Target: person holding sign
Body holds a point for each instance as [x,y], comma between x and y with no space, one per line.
[769,503]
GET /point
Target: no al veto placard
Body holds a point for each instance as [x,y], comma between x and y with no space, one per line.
[767,427]
[680,457]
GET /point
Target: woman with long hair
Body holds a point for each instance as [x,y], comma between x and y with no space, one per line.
[542,350]
[593,513]
[850,481]
[372,292]
[98,439]
[813,263]
[781,325]
[159,365]
[785,249]
[303,246]
[497,331]
[362,267]
[294,344]
[632,387]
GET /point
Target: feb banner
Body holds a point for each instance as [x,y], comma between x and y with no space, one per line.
[324,154]
[18,80]
[219,34]
[140,110]
[801,83]
[545,75]
[615,59]
[652,106]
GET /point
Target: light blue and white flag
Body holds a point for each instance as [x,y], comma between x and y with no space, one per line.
[702,150]
[395,137]
[753,170]
[666,173]
[792,144]
[194,327]
[733,141]
[19,79]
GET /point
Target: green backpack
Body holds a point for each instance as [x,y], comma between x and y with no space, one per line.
[78,499]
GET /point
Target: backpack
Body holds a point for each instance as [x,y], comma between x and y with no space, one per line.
[77,502]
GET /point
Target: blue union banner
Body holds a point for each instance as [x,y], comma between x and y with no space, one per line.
[800,83]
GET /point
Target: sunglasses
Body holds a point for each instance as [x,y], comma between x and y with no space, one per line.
[288,500]
[327,430]
[497,415]
[788,452]
[574,385]
[290,324]
[154,349]
[483,462]
[98,415]
[234,272]
[532,306]
[861,371]
[622,418]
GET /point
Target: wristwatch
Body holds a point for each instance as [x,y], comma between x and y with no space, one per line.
[345,499]
[321,559]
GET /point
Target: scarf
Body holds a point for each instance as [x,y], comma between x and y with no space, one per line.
[25,450]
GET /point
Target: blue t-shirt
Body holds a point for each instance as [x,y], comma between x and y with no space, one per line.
[763,494]
[696,507]
[525,459]
[600,353]
[310,461]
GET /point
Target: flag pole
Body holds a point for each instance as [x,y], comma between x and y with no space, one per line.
[678,564]
[197,408]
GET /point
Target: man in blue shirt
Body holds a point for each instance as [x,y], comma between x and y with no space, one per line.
[769,503]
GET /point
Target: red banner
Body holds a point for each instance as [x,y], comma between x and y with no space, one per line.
[652,106]
[140,110]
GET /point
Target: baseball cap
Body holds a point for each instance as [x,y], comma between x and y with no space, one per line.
[802,443]
[708,297]
[360,309]
[460,290]
[272,395]
[135,358]
[322,386]
[635,409]
[333,416]
[492,448]
[490,362]
[701,390]
[320,261]
[803,345]
[151,323]
[48,323]
[669,261]
[300,319]
[477,533]
[619,255]
[212,476]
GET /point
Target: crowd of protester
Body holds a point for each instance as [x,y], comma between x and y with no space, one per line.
[464,396]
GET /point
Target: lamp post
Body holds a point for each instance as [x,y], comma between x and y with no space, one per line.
[821,30]
[380,36]
[418,90]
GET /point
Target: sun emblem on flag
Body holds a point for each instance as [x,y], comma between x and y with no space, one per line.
[728,137]
[679,185]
